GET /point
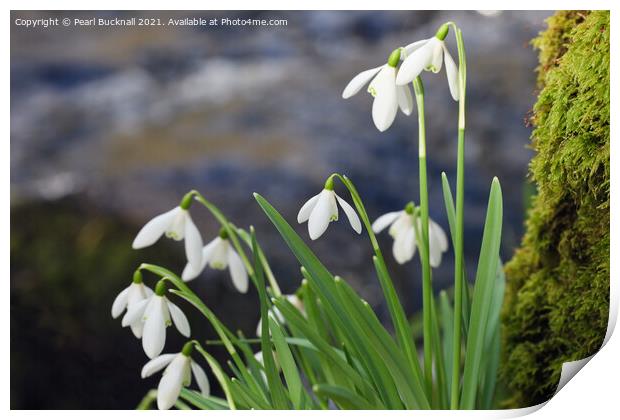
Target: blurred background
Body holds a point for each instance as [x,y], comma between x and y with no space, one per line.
[112,125]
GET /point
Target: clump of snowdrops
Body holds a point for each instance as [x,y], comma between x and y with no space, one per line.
[324,346]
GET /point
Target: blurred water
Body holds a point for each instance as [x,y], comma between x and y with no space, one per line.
[130,119]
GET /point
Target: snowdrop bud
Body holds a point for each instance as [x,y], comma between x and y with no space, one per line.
[137,277]
[187,200]
[223,233]
[394,58]
[329,184]
[187,349]
[442,32]
[160,288]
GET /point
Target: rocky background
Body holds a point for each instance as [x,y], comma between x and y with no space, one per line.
[111,126]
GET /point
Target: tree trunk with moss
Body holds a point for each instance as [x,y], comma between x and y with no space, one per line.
[557,296]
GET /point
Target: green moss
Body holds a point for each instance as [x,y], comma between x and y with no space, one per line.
[557,296]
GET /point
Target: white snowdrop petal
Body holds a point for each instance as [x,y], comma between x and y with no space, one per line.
[306,209]
[190,272]
[385,105]
[321,216]
[193,242]
[179,319]
[154,333]
[404,246]
[157,364]
[219,256]
[384,221]
[137,329]
[415,63]
[201,379]
[120,303]
[437,59]
[401,224]
[406,51]
[452,72]
[237,271]
[138,292]
[354,220]
[154,229]
[357,83]
[405,100]
[134,313]
[171,382]
[439,235]
[434,256]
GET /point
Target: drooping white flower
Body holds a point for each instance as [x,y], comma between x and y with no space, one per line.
[136,292]
[321,209]
[220,254]
[388,97]
[177,224]
[403,232]
[156,313]
[294,300]
[429,54]
[178,374]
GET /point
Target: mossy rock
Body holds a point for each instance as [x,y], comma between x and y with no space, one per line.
[557,297]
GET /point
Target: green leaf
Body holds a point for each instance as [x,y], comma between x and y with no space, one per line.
[397,313]
[287,363]
[201,402]
[451,213]
[447,327]
[440,371]
[336,359]
[492,343]
[278,393]
[219,375]
[355,331]
[344,398]
[483,294]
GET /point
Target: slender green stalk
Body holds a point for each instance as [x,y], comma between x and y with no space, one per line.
[458,251]
[427,288]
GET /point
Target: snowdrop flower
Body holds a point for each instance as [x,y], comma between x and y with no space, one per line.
[388,97]
[130,296]
[402,230]
[294,300]
[176,224]
[220,254]
[429,54]
[178,374]
[157,313]
[322,209]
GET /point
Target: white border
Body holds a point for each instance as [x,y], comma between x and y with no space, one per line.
[594,393]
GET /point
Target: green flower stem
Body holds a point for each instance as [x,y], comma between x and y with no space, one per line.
[458,249]
[427,288]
